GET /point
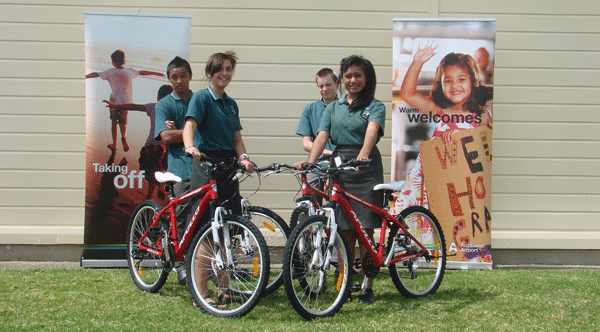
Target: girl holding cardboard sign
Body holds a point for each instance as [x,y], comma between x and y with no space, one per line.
[457,101]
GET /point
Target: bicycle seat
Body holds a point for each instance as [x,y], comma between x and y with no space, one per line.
[166,177]
[393,186]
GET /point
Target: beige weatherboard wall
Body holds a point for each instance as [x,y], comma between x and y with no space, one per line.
[546,150]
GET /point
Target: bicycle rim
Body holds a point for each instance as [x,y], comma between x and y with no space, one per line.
[276,232]
[420,276]
[147,269]
[242,282]
[315,290]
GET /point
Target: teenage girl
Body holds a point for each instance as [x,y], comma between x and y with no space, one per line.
[212,126]
[355,123]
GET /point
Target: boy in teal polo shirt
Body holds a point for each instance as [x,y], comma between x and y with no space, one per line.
[308,127]
[170,120]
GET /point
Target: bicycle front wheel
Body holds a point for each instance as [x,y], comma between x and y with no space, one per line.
[300,213]
[422,275]
[147,269]
[276,233]
[313,288]
[233,288]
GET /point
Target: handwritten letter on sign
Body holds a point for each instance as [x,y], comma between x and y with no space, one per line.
[458,181]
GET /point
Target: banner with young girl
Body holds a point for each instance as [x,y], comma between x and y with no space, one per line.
[126,57]
[443,73]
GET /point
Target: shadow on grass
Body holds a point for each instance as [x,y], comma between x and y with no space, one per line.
[444,300]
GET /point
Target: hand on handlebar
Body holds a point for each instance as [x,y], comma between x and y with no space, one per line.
[248,165]
[304,165]
[300,165]
[193,152]
[362,157]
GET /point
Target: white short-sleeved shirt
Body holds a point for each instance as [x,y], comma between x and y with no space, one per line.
[120,84]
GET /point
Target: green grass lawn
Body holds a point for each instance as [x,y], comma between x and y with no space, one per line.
[497,300]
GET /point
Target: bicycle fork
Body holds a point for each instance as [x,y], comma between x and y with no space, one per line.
[318,259]
[216,224]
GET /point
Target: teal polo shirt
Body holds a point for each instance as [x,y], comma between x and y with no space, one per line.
[347,127]
[310,120]
[218,120]
[173,108]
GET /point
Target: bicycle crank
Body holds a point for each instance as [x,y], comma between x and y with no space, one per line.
[368,268]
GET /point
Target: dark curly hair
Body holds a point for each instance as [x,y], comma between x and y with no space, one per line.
[118,57]
[477,99]
[368,92]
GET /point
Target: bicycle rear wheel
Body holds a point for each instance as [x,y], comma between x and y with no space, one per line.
[276,233]
[240,285]
[147,269]
[419,276]
[315,290]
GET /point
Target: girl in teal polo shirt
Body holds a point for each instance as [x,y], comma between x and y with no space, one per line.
[355,124]
[213,126]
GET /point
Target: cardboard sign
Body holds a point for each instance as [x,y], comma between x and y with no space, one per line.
[458,181]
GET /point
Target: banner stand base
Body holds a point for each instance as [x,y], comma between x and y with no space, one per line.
[453,265]
[104,263]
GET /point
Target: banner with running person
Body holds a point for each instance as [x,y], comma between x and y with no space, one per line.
[126,57]
[443,75]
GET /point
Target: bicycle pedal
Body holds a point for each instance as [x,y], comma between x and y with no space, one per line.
[355,288]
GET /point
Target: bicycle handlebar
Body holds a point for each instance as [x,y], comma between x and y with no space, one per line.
[308,167]
[351,164]
[275,168]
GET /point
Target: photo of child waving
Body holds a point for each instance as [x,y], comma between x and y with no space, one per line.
[457,101]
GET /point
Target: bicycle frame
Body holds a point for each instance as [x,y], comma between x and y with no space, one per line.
[339,197]
[179,246]
[310,193]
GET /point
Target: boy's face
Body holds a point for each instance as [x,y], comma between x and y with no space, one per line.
[180,79]
[327,87]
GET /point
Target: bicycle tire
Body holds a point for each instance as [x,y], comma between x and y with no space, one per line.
[147,269]
[300,213]
[315,291]
[419,277]
[244,281]
[276,233]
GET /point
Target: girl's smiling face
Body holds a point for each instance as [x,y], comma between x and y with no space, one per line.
[354,81]
[220,80]
[456,84]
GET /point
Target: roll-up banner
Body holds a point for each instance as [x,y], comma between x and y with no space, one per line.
[443,75]
[126,57]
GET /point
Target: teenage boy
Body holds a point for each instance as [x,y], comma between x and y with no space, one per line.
[308,127]
[327,82]
[170,120]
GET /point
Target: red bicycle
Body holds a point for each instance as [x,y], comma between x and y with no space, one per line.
[316,262]
[226,259]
